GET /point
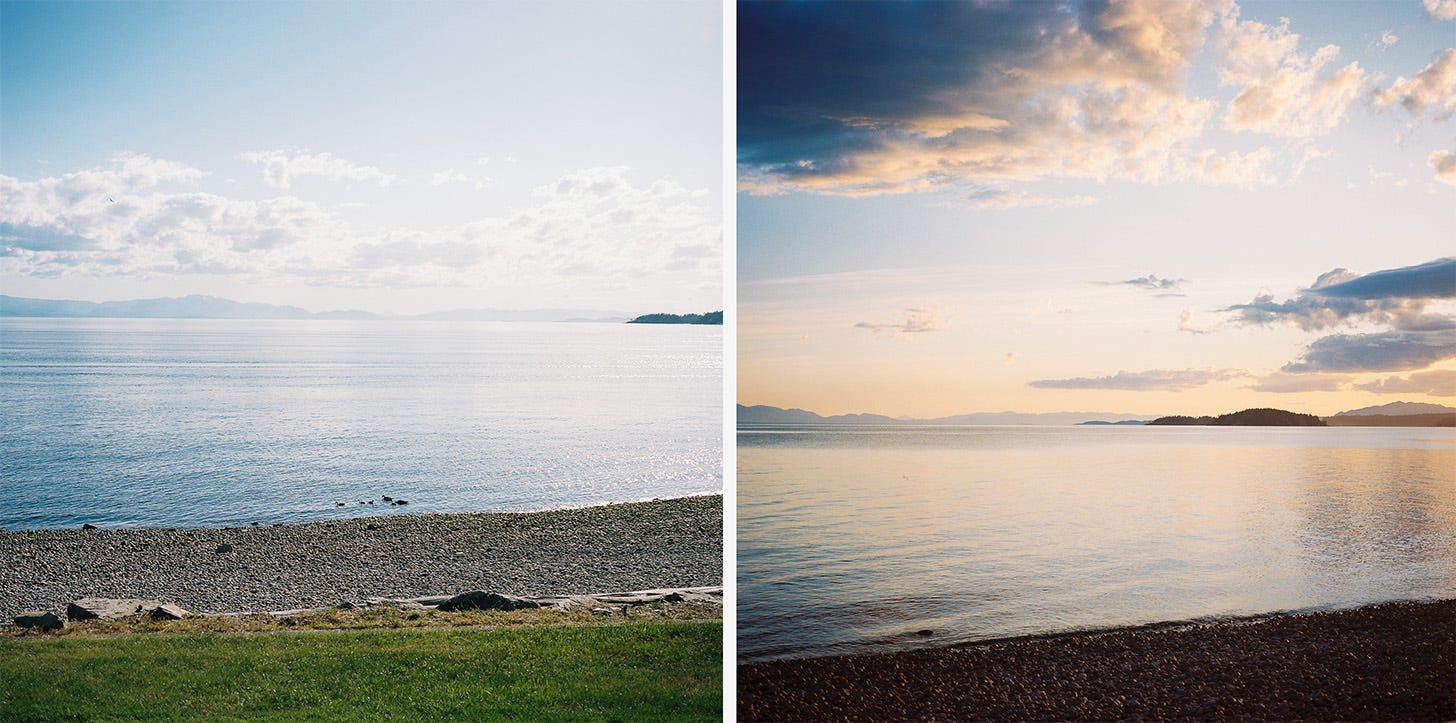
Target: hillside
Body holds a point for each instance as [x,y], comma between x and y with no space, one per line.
[712,317]
[1398,409]
[1262,417]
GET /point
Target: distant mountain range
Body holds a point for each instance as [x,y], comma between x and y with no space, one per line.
[212,307]
[1402,414]
[762,414]
[1399,408]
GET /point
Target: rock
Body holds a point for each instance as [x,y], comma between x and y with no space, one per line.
[88,526]
[168,611]
[104,608]
[255,524]
[925,633]
[224,547]
[43,619]
[482,600]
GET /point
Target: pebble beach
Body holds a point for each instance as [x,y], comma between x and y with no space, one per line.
[635,546]
[1395,661]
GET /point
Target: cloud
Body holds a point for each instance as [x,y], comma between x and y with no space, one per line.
[591,226]
[872,98]
[1385,351]
[1445,164]
[1185,322]
[1000,198]
[915,321]
[1431,92]
[440,178]
[280,167]
[1396,297]
[1436,383]
[1388,39]
[1287,383]
[1157,380]
[1440,9]
[1283,92]
[1150,282]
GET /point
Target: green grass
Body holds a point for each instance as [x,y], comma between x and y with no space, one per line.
[635,671]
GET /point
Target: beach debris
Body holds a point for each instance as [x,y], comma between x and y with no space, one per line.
[482,600]
[43,619]
[105,608]
[168,611]
[224,547]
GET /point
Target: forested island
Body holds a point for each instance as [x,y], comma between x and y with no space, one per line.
[1247,418]
[712,317]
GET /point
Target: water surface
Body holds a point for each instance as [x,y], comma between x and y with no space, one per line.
[857,539]
[176,423]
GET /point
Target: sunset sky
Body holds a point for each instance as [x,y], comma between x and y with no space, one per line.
[1144,207]
[391,157]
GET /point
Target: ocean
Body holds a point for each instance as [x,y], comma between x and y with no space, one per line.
[211,423]
[857,539]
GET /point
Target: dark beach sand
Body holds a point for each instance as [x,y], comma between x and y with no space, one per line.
[1395,661]
[661,544]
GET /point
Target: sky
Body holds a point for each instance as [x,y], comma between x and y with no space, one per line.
[1148,207]
[390,157]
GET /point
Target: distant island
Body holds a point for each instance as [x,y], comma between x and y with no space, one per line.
[1263,417]
[198,306]
[712,317]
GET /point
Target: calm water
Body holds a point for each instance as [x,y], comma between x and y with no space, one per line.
[854,540]
[166,423]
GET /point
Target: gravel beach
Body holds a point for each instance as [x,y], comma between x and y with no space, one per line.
[1395,661]
[637,546]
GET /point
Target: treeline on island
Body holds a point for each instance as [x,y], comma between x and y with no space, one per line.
[1247,418]
[712,317]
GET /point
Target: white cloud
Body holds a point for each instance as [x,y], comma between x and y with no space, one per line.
[1388,39]
[1440,9]
[280,167]
[440,178]
[592,226]
[1445,164]
[1432,90]
[1283,92]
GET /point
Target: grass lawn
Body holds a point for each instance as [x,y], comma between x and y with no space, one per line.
[634,671]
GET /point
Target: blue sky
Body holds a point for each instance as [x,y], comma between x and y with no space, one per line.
[949,208]
[396,157]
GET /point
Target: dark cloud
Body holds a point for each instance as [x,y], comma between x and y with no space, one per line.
[1390,351]
[40,238]
[916,321]
[1431,280]
[1396,297]
[1149,282]
[879,97]
[1437,383]
[816,80]
[1158,380]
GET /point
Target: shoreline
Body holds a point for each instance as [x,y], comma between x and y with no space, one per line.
[666,543]
[1389,661]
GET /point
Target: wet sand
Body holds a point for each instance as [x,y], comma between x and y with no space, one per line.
[1395,661]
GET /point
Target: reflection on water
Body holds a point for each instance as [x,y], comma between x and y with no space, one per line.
[860,539]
